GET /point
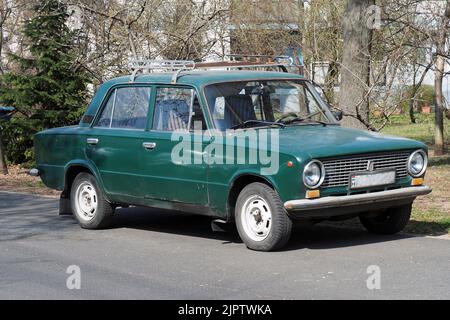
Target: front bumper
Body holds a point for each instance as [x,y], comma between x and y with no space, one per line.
[340,205]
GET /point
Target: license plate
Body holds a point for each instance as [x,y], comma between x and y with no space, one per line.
[372,179]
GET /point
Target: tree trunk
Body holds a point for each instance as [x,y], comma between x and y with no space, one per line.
[416,87]
[439,107]
[412,102]
[411,110]
[439,147]
[355,70]
[3,166]
[330,81]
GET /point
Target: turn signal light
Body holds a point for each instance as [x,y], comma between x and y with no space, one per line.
[417,182]
[312,194]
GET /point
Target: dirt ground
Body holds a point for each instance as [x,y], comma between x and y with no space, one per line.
[19,181]
[439,179]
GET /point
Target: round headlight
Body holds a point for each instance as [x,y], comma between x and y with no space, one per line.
[417,163]
[314,174]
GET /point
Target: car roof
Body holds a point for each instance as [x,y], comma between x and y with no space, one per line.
[200,78]
[196,78]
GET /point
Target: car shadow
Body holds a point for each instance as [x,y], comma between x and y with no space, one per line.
[330,236]
[169,221]
[316,237]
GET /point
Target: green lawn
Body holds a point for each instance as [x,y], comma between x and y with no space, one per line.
[423,130]
[429,221]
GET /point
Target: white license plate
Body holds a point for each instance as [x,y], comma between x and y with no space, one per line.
[365,180]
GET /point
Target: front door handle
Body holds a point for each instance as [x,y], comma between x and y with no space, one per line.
[149,145]
[92,140]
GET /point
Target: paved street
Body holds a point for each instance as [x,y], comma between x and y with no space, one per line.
[150,254]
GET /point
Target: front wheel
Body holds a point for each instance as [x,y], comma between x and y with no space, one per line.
[261,219]
[88,203]
[389,221]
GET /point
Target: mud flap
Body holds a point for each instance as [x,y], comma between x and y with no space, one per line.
[64,205]
[219,225]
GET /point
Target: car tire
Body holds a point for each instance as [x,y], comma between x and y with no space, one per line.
[88,203]
[389,221]
[261,220]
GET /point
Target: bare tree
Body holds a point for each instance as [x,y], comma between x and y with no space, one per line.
[116,31]
[322,44]
[265,27]
[441,56]
[429,21]
[355,69]
[5,11]
[416,86]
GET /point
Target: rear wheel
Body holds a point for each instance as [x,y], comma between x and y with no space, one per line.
[261,219]
[88,203]
[389,221]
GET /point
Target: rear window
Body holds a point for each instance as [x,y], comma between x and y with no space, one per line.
[127,108]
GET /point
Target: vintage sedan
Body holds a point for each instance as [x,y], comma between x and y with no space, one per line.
[126,152]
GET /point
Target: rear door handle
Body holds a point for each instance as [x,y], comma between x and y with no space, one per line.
[92,140]
[149,145]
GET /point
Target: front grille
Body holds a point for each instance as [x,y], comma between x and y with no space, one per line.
[337,171]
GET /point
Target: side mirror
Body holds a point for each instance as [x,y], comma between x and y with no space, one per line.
[338,115]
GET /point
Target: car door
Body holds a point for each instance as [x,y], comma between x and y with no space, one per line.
[115,142]
[169,175]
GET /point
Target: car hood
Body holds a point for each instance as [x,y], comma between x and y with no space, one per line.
[317,141]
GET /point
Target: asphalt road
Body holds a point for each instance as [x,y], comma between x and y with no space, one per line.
[150,254]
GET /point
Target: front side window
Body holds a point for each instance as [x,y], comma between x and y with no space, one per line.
[240,104]
[177,109]
[127,108]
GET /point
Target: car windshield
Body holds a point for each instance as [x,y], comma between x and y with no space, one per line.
[236,105]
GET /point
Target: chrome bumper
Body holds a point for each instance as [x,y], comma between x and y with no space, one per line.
[356,200]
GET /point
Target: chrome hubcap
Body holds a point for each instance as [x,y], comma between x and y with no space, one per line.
[256,218]
[86,201]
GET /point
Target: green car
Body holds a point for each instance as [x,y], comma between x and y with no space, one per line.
[259,149]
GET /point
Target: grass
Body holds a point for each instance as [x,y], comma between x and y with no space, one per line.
[429,221]
[422,130]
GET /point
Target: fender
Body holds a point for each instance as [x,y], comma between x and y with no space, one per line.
[242,173]
[91,167]
[239,174]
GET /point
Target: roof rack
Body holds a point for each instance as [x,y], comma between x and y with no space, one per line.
[168,65]
[237,62]
[261,58]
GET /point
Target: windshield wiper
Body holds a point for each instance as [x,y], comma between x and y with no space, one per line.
[298,119]
[247,123]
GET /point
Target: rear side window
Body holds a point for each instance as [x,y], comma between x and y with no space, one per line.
[127,108]
[105,118]
[177,109]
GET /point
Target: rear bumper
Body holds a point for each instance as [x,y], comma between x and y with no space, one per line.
[34,172]
[341,205]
